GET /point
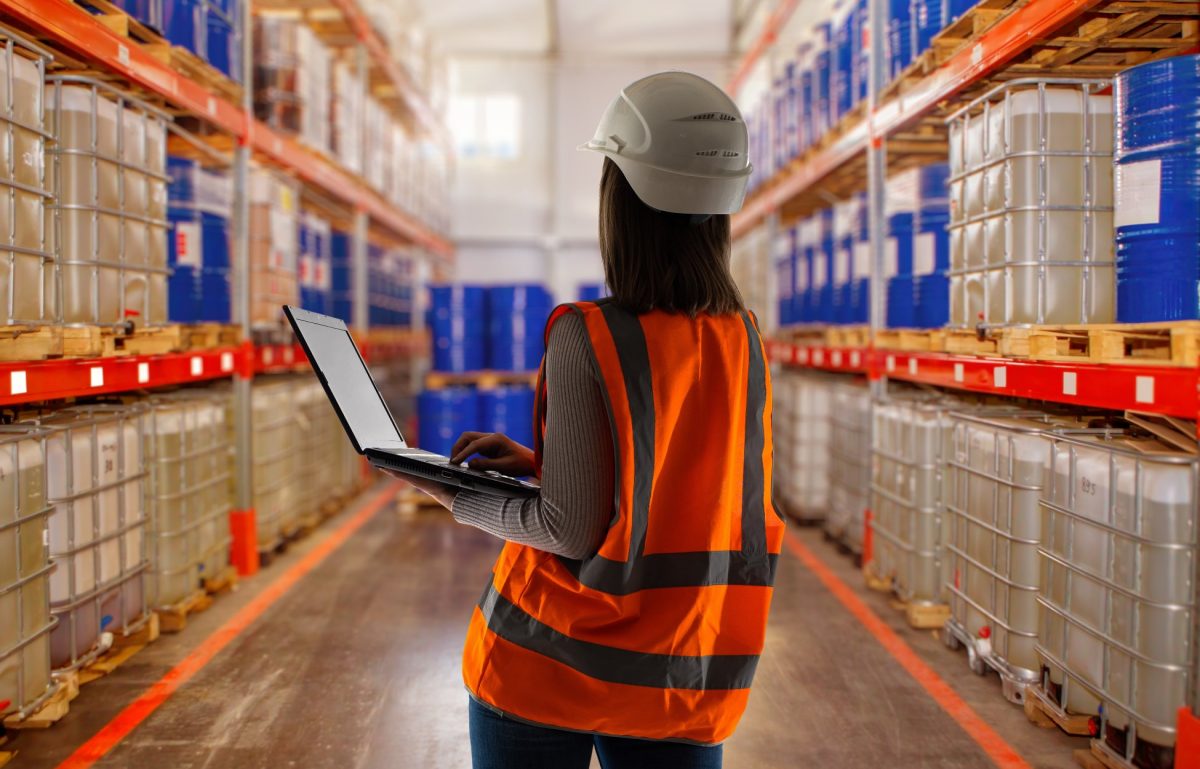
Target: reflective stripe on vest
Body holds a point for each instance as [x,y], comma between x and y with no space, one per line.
[648,612]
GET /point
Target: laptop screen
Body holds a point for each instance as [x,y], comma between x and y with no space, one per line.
[349,383]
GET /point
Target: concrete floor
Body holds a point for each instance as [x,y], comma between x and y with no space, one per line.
[358,666]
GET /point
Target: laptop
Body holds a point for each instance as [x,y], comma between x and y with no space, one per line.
[360,407]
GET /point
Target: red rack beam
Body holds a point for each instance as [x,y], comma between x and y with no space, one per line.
[1168,390]
[45,380]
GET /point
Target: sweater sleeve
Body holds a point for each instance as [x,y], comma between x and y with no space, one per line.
[573,511]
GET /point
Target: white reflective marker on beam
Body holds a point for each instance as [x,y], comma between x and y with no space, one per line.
[197,365]
[837,358]
[269,356]
[18,384]
[97,376]
[226,362]
[802,355]
[289,355]
[1144,389]
[818,357]
[912,366]
[1070,383]
[856,359]
[1000,376]
[143,373]
[891,363]
[959,372]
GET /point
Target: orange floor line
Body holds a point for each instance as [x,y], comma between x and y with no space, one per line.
[1000,752]
[140,709]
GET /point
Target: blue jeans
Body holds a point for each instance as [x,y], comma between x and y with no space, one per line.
[505,743]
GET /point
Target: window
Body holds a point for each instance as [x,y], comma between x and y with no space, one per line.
[486,126]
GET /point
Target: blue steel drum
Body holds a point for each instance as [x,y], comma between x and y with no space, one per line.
[183,24]
[954,9]
[804,97]
[1157,114]
[459,325]
[899,38]
[230,9]
[933,182]
[517,318]
[927,19]
[900,241]
[443,415]
[591,292]
[842,69]
[930,224]
[507,410]
[215,280]
[862,53]
[216,287]
[822,80]
[185,242]
[341,304]
[901,312]
[802,302]
[222,47]
[932,300]
[822,257]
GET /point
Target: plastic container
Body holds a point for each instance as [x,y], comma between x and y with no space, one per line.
[802,429]
[1158,190]
[316,270]
[96,477]
[222,46]
[998,461]
[1031,205]
[276,436]
[459,324]
[443,415]
[26,273]
[25,621]
[909,451]
[189,492]
[109,228]
[1118,608]
[183,24]
[507,410]
[850,463]
[517,318]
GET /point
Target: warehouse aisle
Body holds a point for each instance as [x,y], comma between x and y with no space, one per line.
[358,667]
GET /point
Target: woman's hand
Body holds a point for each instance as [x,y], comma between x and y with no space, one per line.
[499,452]
[441,492]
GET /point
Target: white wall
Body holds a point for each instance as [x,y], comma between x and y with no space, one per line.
[534,218]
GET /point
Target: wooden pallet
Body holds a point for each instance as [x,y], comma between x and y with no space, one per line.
[224,581]
[910,339]
[206,336]
[1096,758]
[1114,36]
[923,616]
[1041,713]
[1153,344]
[23,343]
[53,709]
[874,580]
[122,650]
[437,380]
[410,502]
[102,342]
[173,618]
[970,26]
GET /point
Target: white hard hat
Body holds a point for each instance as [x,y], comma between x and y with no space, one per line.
[681,143]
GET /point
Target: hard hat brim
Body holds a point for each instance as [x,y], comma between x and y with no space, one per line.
[679,193]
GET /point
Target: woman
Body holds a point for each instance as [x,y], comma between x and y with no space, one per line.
[627,610]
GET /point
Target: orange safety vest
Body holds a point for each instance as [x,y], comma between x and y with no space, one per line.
[658,634]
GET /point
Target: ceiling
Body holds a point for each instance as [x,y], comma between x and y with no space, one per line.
[593,27]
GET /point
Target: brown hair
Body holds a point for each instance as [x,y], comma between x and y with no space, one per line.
[655,260]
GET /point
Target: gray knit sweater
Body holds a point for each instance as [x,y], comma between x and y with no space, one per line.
[572,514]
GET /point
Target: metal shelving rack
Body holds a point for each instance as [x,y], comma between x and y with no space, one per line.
[66,27]
[1173,391]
